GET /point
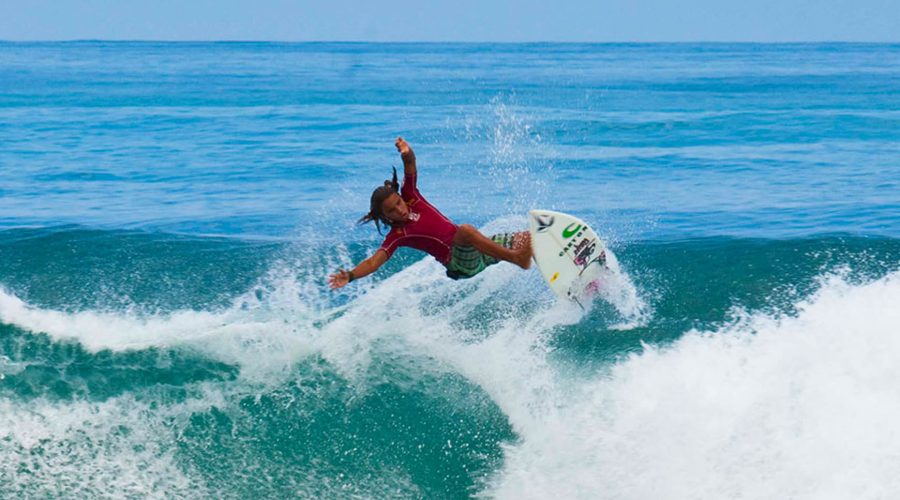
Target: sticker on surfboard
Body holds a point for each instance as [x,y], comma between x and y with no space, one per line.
[569,254]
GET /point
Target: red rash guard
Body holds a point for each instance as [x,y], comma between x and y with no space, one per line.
[427,229]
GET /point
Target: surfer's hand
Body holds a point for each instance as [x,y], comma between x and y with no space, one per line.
[338,279]
[402,146]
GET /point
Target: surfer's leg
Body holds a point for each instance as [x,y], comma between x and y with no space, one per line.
[468,235]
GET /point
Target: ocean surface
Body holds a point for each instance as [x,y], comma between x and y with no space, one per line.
[169,213]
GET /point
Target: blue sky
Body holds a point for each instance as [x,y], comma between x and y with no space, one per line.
[453,20]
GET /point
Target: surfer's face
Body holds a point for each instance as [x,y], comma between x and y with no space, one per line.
[394,208]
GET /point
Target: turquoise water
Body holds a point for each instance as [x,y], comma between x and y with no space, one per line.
[169,212]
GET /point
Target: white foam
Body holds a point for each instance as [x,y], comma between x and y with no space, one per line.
[80,449]
[265,331]
[127,447]
[616,288]
[795,407]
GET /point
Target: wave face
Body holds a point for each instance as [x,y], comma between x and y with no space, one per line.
[419,386]
[169,212]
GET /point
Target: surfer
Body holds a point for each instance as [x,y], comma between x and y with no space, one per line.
[415,223]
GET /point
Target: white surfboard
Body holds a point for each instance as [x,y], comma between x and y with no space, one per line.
[569,254]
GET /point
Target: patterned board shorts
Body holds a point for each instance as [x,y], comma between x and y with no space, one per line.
[466,261]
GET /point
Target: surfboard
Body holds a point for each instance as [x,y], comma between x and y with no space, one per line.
[569,254]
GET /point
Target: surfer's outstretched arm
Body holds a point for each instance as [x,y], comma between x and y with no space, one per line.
[409,158]
[364,268]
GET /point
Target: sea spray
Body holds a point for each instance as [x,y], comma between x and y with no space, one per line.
[800,406]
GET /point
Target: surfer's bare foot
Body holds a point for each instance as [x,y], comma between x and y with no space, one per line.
[522,247]
[523,257]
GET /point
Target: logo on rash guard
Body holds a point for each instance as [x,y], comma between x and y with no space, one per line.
[413,216]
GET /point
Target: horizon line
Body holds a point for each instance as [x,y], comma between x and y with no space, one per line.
[460,42]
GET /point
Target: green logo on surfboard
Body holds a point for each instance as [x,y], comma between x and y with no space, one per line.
[568,232]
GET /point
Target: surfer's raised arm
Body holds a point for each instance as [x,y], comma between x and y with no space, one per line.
[409,158]
[364,268]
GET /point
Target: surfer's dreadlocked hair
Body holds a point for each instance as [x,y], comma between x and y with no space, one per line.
[380,194]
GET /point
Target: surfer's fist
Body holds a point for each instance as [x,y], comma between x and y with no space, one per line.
[402,146]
